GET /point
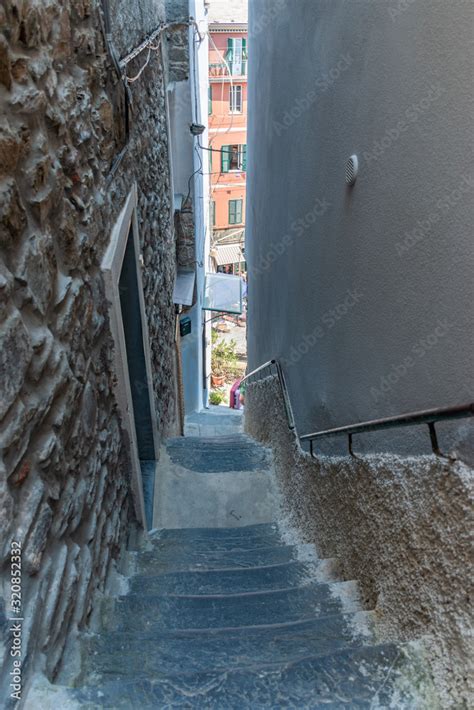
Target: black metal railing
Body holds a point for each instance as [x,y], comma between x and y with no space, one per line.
[427,416]
[271,367]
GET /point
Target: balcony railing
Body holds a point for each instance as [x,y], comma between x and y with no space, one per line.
[221,69]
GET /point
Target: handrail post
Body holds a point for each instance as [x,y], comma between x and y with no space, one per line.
[351,451]
[434,439]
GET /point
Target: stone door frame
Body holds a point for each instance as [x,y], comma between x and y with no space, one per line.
[111,268]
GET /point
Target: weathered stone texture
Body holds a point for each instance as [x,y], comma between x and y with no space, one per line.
[177,40]
[64,474]
[185,235]
[401,526]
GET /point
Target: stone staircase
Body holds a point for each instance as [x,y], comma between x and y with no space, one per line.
[234,617]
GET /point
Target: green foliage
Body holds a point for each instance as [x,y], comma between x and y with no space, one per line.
[216,397]
[224,358]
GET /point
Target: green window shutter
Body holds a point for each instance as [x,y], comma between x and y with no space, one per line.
[238,211]
[225,158]
[230,49]
[244,158]
[209,106]
[244,56]
[232,211]
[235,211]
[213,213]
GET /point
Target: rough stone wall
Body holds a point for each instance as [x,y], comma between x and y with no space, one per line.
[185,238]
[64,474]
[178,47]
[401,526]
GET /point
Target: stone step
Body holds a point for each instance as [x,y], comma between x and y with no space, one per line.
[155,612]
[265,530]
[215,413]
[250,579]
[148,654]
[156,561]
[222,454]
[367,677]
[213,544]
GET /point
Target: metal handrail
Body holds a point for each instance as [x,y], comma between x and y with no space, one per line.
[426,416]
[284,390]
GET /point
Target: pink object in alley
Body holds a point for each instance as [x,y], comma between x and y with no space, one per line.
[234,397]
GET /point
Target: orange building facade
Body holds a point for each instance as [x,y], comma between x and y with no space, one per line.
[228,137]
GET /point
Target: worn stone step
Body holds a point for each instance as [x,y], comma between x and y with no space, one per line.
[215,415]
[213,544]
[222,454]
[142,611]
[250,579]
[368,677]
[153,561]
[266,530]
[148,654]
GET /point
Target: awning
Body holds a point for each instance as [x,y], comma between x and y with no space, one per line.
[223,292]
[228,254]
[184,288]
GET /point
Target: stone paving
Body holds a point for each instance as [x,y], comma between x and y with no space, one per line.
[226,617]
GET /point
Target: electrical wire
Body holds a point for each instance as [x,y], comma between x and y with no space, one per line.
[199,170]
[229,72]
[106,26]
[147,44]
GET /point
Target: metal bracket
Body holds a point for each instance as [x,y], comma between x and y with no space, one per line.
[351,450]
[434,443]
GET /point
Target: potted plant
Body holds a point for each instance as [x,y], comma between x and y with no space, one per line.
[217,380]
[223,361]
[216,397]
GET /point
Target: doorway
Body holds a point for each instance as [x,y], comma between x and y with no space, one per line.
[134,388]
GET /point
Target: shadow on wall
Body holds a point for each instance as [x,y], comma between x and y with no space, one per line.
[398,525]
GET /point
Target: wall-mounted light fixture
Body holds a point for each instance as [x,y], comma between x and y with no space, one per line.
[197,129]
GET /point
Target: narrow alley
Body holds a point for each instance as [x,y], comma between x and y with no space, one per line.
[236,330]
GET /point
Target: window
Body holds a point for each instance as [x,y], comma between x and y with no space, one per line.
[235,211]
[236,55]
[209,100]
[234,157]
[235,99]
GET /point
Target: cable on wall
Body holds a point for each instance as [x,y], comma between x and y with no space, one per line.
[104,18]
[148,44]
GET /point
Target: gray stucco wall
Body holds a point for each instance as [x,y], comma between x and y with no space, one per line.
[397,525]
[365,293]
